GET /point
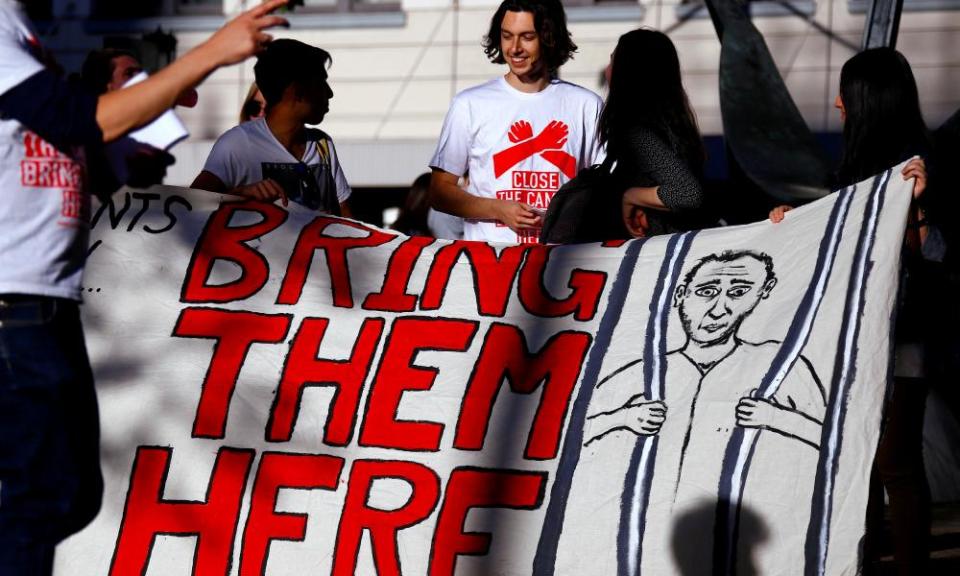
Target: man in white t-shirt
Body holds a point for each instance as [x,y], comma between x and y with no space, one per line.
[521,136]
[50,481]
[277,156]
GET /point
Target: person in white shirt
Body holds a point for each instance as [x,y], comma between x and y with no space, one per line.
[50,479]
[278,156]
[521,136]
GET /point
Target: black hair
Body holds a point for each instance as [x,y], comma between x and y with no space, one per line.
[285,62]
[731,256]
[646,92]
[412,220]
[97,70]
[883,125]
[551,23]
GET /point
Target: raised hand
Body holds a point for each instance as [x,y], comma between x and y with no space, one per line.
[644,417]
[917,169]
[520,130]
[244,36]
[777,214]
[553,137]
[757,412]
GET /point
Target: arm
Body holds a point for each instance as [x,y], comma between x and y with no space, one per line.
[264,191]
[768,415]
[778,213]
[678,188]
[553,137]
[796,410]
[644,197]
[638,416]
[343,187]
[917,169]
[124,110]
[447,197]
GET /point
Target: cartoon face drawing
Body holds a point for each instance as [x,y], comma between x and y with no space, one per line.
[720,291]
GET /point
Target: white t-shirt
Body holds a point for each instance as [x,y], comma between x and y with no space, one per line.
[249,153]
[444,226]
[512,145]
[44,210]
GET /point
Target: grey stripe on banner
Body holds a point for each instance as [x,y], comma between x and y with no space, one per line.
[818,532]
[735,468]
[639,477]
[544,563]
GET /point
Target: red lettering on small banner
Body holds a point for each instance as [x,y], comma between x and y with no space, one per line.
[586,288]
[398,374]
[470,488]
[234,333]
[493,275]
[220,241]
[505,356]
[304,369]
[335,248]
[147,515]
[264,523]
[383,525]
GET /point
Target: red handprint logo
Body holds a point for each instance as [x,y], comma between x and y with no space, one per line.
[520,131]
[548,143]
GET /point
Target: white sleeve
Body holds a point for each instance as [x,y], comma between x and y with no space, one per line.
[593,152]
[453,148]
[343,188]
[223,161]
[444,226]
[16,64]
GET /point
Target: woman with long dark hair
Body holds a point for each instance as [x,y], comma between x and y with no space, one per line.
[651,132]
[882,123]
[882,127]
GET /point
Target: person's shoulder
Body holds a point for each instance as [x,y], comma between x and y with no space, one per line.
[318,135]
[475,99]
[571,90]
[240,133]
[763,352]
[632,371]
[642,132]
[480,91]
[325,141]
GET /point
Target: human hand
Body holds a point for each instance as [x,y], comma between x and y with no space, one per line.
[516,215]
[188,98]
[756,412]
[645,418]
[553,137]
[147,166]
[243,36]
[916,168]
[777,214]
[520,131]
[264,191]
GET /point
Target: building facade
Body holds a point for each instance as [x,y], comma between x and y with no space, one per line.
[397,63]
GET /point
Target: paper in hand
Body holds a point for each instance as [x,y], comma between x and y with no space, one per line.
[165,131]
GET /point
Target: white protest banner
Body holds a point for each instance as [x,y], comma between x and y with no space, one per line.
[283,392]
